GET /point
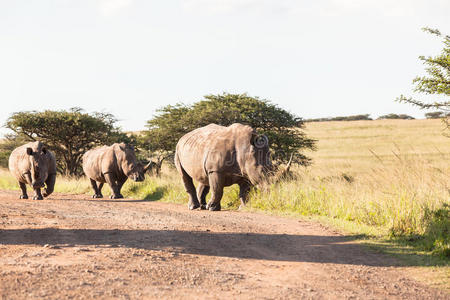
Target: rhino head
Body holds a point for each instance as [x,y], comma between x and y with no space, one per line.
[133,169]
[39,166]
[258,163]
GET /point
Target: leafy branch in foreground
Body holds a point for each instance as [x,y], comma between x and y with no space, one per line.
[437,82]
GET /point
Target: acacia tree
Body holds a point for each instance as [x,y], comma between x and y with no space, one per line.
[159,141]
[281,127]
[68,133]
[437,82]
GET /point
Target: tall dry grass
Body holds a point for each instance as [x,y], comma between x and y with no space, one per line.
[393,175]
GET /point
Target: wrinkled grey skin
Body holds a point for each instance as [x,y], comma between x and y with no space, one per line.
[33,164]
[113,165]
[217,156]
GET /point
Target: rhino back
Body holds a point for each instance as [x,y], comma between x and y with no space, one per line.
[98,161]
[121,156]
[18,163]
[212,148]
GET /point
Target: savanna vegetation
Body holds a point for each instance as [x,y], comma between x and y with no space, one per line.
[387,176]
[384,179]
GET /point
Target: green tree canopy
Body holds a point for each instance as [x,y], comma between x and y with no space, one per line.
[7,145]
[437,82]
[68,133]
[281,127]
[435,115]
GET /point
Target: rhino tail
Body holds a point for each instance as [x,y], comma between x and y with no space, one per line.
[177,161]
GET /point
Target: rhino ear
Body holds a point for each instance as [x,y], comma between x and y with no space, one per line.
[44,150]
[259,141]
[253,138]
[29,151]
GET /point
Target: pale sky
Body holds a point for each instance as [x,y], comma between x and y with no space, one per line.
[128,57]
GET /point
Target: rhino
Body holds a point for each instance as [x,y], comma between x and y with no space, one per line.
[113,165]
[217,156]
[35,165]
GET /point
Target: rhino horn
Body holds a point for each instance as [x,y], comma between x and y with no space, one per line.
[282,173]
[289,163]
[148,166]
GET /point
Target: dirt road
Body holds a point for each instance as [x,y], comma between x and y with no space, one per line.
[76,247]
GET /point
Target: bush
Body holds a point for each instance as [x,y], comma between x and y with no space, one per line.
[396,116]
[437,234]
[347,118]
[435,115]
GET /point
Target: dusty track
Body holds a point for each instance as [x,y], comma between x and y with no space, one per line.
[71,246]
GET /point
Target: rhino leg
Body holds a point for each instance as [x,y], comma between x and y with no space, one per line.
[216,186]
[202,191]
[120,184]
[114,186]
[23,187]
[100,186]
[37,194]
[244,189]
[188,186]
[50,185]
[97,190]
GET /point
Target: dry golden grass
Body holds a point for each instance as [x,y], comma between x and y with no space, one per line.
[359,146]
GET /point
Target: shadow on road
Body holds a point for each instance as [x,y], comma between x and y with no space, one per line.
[276,247]
[155,195]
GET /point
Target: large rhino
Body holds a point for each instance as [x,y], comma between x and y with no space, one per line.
[113,165]
[35,165]
[217,156]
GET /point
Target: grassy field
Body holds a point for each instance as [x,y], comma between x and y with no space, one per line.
[387,180]
[387,177]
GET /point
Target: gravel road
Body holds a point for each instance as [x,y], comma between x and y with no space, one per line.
[72,246]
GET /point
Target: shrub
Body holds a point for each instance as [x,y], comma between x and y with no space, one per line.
[396,116]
